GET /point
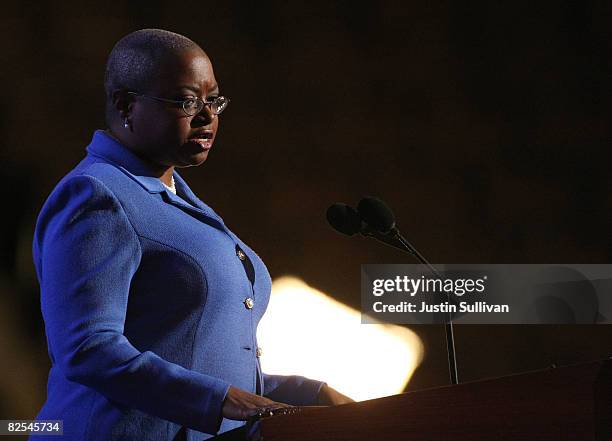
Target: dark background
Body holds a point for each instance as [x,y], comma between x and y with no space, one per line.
[485,125]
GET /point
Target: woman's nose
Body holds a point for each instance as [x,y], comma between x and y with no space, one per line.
[204,117]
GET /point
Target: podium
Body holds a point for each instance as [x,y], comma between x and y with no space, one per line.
[565,403]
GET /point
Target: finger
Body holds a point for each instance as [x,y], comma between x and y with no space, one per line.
[270,410]
[281,405]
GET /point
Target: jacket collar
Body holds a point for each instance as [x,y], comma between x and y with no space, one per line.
[109,149]
[106,147]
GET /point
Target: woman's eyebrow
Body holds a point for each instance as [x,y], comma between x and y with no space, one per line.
[196,89]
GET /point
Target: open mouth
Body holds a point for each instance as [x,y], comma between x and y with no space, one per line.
[203,138]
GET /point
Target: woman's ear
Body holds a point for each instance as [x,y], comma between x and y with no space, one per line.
[122,102]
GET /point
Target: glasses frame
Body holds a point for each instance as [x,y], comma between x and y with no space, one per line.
[183,103]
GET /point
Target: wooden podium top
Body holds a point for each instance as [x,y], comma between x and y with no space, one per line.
[566,403]
[571,403]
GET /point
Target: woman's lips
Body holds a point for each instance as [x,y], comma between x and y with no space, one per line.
[204,138]
[205,143]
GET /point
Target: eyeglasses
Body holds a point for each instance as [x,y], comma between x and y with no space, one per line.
[193,106]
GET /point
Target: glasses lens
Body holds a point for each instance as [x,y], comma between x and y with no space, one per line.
[219,104]
[193,106]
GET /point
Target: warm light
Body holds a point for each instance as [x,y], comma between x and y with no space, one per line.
[306,332]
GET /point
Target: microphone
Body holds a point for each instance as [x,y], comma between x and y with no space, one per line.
[376,214]
[373,218]
[344,219]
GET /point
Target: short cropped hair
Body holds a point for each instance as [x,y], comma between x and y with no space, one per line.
[135,58]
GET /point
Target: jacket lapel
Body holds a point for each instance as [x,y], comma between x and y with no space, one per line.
[208,217]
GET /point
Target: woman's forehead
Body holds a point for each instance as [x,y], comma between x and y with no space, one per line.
[191,70]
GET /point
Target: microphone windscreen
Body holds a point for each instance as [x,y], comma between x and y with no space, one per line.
[344,219]
[376,214]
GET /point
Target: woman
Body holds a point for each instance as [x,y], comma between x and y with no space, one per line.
[150,302]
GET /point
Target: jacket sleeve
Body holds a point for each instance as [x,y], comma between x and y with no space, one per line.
[86,252]
[292,389]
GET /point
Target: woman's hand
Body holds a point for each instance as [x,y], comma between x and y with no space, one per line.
[241,405]
[331,397]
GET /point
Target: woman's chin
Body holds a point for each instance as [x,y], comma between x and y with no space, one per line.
[194,160]
[201,158]
[193,155]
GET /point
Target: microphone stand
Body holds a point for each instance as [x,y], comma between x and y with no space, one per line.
[396,240]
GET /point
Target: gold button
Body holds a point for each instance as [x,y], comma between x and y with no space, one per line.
[249,302]
[240,254]
[258,352]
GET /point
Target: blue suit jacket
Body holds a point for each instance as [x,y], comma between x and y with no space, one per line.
[143,297]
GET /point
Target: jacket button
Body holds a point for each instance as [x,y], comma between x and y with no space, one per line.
[240,254]
[258,352]
[249,302]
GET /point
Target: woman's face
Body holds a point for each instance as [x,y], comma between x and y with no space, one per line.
[162,132]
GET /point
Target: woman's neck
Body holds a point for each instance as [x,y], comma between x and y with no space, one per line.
[166,177]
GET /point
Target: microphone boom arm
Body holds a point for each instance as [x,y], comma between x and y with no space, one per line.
[395,239]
